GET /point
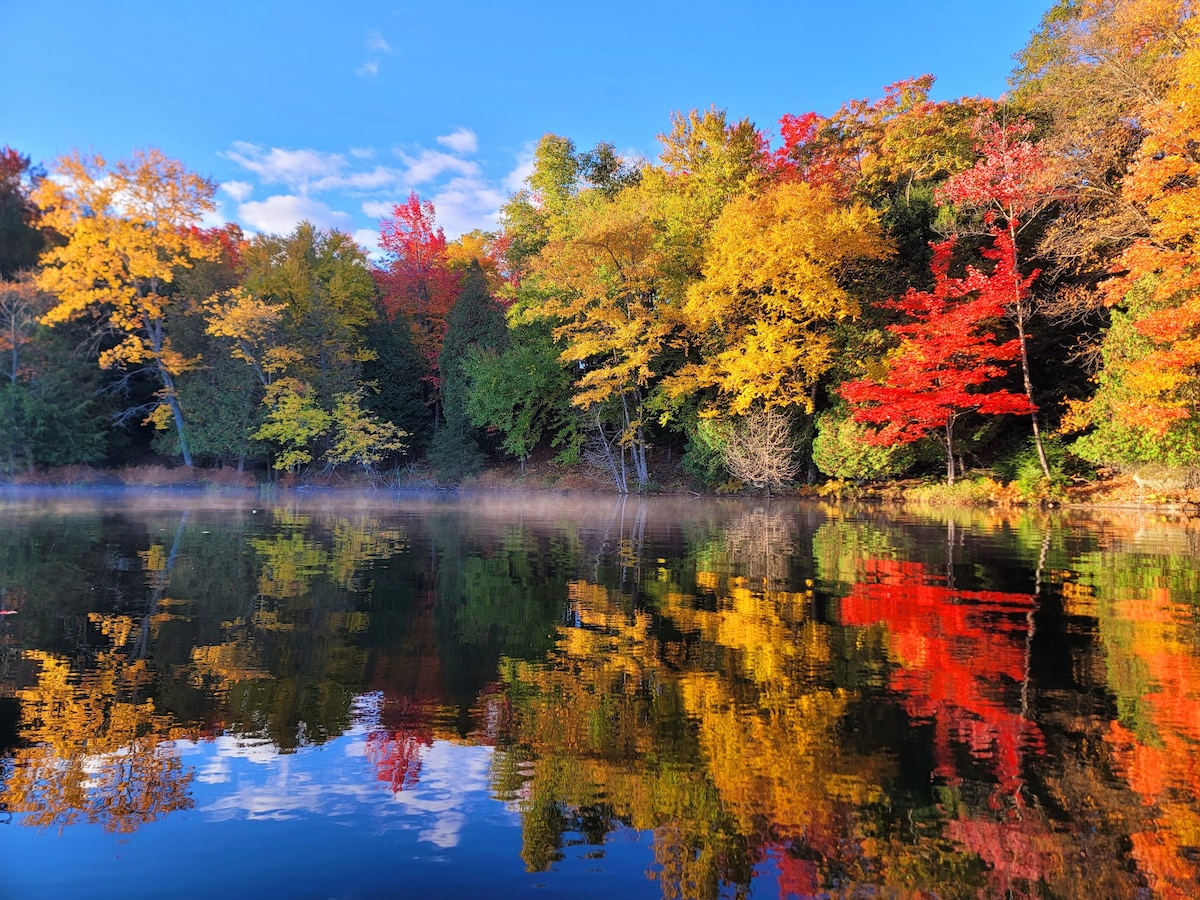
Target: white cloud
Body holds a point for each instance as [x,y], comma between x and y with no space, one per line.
[368,239]
[464,204]
[306,170]
[354,189]
[461,140]
[368,68]
[214,218]
[377,43]
[281,213]
[429,164]
[515,180]
[238,190]
[377,209]
[295,168]
[376,179]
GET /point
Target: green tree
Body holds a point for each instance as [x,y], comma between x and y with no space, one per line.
[715,159]
[21,240]
[560,172]
[221,396]
[394,376]
[841,449]
[57,414]
[50,409]
[476,322]
[321,285]
[524,393]
[298,322]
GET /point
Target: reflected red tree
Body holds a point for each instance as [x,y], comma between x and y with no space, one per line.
[962,664]
[396,747]
[409,679]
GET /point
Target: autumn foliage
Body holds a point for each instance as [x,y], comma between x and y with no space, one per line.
[416,277]
[659,304]
[949,357]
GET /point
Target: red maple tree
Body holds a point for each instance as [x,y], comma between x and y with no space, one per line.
[415,277]
[948,355]
[229,241]
[1010,184]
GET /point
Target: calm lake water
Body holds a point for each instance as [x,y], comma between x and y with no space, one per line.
[681,699]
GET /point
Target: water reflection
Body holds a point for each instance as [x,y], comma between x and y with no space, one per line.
[682,700]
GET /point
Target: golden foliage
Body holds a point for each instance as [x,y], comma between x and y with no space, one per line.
[778,273]
[94,750]
[127,231]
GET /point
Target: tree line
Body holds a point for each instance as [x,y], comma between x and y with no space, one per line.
[904,285]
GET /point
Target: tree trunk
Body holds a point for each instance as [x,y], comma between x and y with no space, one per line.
[158,345]
[616,469]
[177,415]
[1033,416]
[1021,337]
[635,438]
[949,450]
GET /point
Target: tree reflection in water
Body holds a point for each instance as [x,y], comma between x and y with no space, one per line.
[970,706]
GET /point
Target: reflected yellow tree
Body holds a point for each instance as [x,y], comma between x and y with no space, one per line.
[703,716]
[96,748]
[289,667]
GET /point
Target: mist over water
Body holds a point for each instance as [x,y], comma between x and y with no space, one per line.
[337,695]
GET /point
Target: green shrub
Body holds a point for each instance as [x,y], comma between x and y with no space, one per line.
[840,450]
[704,454]
[1023,470]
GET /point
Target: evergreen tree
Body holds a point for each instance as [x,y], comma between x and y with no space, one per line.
[54,413]
[220,395]
[20,240]
[476,321]
[399,377]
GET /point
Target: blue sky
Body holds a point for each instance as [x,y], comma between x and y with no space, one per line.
[332,112]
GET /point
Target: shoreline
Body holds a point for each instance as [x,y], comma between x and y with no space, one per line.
[1114,493]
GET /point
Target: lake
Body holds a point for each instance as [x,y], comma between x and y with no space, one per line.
[390,695]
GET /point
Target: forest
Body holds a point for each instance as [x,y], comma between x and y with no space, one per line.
[907,286]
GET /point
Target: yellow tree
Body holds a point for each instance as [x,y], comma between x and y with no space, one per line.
[129,228]
[604,290]
[253,324]
[706,161]
[779,273]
